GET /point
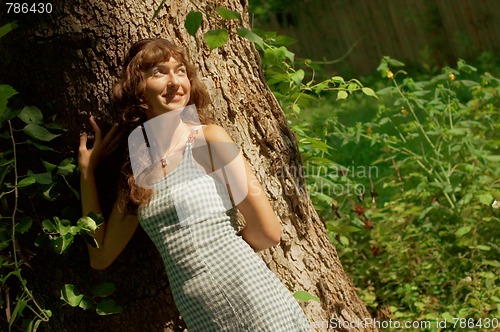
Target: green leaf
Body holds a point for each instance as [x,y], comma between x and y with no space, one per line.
[283,40]
[278,55]
[24,225]
[352,87]
[383,68]
[18,311]
[89,239]
[39,146]
[342,95]
[87,223]
[86,303]
[369,92]
[491,263]
[289,55]
[464,67]
[305,296]
[344,240]
[66,166]
[98,218]
[27,181]
[251,36]
[103,289]
[6,28]
[386,91]
[193,22]
[31,114]
[494,158]
[108,307]
[468,83]
[49,167]
[41,178]
[62,243]
[383,121]
[228,14]
[295,108]
[485,198]
[39,132]
[393,62]
[48,225]
[337,79]
[216,38]
[297,76]
[462,231]
[6,91]
[458,131]
[63,226]
[33,325]
[71,295]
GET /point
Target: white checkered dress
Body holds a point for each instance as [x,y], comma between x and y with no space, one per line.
[217,280]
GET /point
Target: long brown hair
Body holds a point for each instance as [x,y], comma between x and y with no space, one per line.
[128,97]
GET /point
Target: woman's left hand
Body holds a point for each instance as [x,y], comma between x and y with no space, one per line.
[89,159]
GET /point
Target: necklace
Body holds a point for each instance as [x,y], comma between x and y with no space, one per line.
[163,160]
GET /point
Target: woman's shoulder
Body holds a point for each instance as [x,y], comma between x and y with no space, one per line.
[215,133]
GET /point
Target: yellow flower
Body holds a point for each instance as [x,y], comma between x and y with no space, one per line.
[404,111]
[369,131]
[452,77]
[390,74]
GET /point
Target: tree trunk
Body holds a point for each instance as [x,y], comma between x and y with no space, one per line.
[71,58]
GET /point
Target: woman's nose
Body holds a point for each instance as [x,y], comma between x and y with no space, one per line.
[173,80]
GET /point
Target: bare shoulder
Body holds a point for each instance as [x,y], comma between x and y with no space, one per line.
[215,133]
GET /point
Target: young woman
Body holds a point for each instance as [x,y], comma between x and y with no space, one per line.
[180,178]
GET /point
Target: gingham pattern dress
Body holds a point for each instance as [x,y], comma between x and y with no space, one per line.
[217,280]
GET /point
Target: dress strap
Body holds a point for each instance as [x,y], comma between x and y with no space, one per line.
[193,135]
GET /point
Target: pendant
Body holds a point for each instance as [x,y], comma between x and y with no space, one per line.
[163,163]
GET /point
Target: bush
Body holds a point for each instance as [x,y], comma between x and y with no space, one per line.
[424,243]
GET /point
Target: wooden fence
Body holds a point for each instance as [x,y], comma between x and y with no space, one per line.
[421,32]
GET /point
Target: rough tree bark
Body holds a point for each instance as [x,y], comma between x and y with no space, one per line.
[71,58]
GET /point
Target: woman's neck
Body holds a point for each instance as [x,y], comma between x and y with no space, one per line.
[168,132]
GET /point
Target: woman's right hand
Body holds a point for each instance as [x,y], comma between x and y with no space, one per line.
[89,159]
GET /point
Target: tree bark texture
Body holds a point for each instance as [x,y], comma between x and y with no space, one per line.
[71,58]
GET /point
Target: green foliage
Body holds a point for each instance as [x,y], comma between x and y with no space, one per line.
[98,299]
[6,28]
[228,14]
[60,233]
[253,37]
[47,177]
[19,127]
[305,296]
[286,77]
[216,38]
[424,244]
[193,22]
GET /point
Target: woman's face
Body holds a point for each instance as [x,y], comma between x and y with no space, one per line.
[167,88]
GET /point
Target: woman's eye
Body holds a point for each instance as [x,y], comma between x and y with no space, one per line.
[182,70]
[157,72]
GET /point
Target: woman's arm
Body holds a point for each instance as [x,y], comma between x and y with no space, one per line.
[112,236]
[262,229]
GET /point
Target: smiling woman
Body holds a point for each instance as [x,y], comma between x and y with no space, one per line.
[217,280]
[167,87]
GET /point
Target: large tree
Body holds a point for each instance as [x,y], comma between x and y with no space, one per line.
[70,59]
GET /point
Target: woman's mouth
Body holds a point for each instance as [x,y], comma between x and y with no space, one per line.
[173,98]
[176,97]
